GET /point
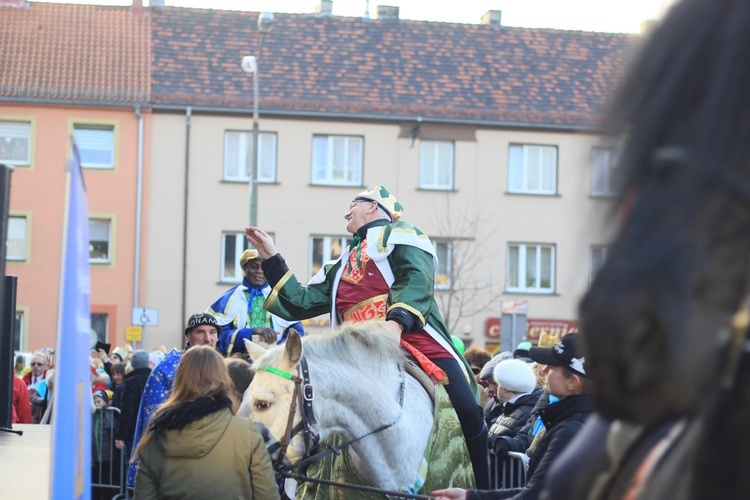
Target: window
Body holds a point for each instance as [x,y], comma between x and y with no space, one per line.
[443,275]
[436,165]
[99,241]
[598,256]
[16,247]
[337,160]
[233,244]
[532,169]
[237,160]
[99,325]
[18,344]
[603,178]
[15,143]
[324,249]
[531,268]
[96,145]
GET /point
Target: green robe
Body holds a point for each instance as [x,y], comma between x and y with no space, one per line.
[405,257]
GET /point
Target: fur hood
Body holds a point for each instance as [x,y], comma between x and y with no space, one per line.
[191,429]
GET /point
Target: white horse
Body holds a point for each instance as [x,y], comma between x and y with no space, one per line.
[359,385]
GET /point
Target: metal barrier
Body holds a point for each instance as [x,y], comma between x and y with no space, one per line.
[508,473]
[107,461]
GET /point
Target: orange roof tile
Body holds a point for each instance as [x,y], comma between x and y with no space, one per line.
[311,64]
[60,52]
[398,68]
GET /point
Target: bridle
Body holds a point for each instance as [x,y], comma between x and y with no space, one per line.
[303,396]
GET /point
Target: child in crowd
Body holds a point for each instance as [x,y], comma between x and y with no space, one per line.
[105,466]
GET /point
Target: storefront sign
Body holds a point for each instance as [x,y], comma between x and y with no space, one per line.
[492,328]
[545,332]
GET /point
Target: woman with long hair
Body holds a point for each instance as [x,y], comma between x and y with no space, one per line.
[195,446]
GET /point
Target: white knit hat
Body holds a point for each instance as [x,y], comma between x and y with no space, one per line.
[515,376]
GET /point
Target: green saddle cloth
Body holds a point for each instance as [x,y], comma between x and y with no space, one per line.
[448,461]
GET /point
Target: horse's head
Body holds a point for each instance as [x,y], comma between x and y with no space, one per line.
[654,316]
[269,398]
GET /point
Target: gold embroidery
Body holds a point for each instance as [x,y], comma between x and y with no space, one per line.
[370,309]
[275,291]
[410,309]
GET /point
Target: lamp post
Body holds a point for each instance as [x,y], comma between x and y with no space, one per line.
[251,64]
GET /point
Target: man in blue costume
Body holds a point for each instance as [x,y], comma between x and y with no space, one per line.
[387,274]
[201,329]
[240,310]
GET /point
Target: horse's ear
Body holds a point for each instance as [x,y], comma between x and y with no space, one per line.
[254,350]
[293,347]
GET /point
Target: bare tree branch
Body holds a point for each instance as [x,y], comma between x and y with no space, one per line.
[472,289]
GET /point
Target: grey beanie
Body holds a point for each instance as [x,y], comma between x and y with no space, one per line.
[488,370]
[139,359]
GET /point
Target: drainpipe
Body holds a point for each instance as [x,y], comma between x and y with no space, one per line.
[138,214]
[188,113]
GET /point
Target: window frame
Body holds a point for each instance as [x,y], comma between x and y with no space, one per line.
[356,171]
[20,329]
[596,262]
[87,127]
[435,172]
[247,137]
[524,187]
[608,174]
[328,242]
[26,239]
[110,241]
[240,244]
[522,268]
[447,262]
[105,321]
[27,162]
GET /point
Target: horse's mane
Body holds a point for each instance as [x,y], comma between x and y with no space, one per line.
[359,343]
[363,345]
[679,268]
[687,90]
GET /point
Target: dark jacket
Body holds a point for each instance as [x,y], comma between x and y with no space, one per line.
[563,420]
[117,396]
[135,382]
[492,410]
[103,424]
[513,417]
[525,435]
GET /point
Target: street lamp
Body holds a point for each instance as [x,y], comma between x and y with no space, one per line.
[251,64]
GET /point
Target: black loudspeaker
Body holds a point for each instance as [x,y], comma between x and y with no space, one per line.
[7,307]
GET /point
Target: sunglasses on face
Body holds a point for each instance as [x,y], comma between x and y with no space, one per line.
[476,371]
[37,364]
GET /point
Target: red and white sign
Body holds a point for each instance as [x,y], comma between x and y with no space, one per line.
[492,328]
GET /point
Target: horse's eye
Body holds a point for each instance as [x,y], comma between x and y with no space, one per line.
[261,405]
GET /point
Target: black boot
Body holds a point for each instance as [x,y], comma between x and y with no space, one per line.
[480,459]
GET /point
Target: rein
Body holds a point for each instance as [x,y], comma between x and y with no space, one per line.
[304,395]
[370,489]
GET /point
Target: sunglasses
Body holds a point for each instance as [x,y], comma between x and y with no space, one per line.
[36,364]
[476,371]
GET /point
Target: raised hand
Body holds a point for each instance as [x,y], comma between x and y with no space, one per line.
[261,241]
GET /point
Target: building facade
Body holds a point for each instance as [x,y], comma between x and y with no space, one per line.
[82,72]
[488,135]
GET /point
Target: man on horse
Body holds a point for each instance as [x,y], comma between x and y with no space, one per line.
[239,311]
[386,274]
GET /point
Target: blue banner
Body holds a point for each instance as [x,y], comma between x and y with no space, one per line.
[71,402]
